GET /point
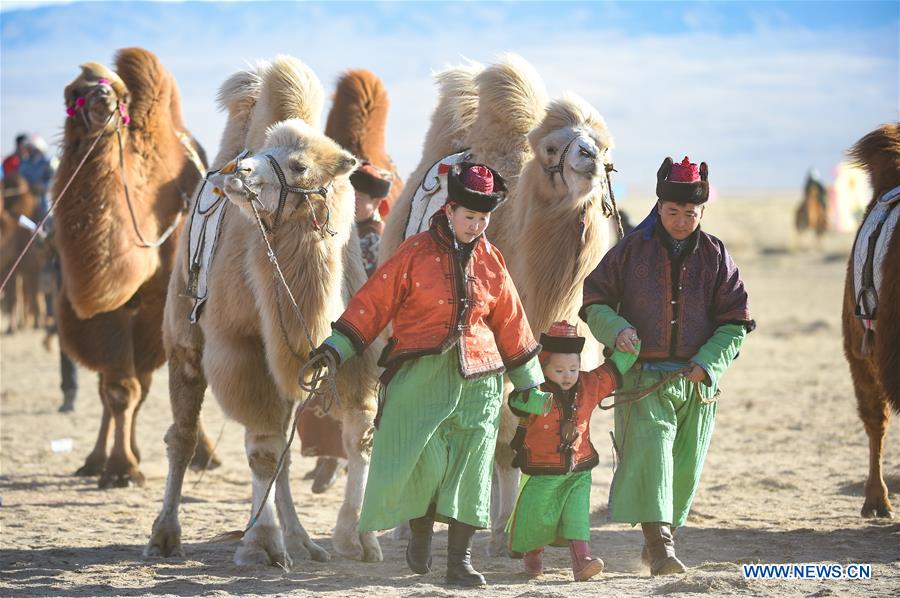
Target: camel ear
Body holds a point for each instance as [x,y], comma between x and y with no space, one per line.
[346,163]
[704,171]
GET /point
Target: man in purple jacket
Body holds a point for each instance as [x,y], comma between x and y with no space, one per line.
[669,293]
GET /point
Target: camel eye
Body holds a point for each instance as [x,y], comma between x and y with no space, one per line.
[297,167]
[551,150]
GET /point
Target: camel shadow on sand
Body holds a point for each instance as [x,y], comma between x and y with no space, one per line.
[208,568]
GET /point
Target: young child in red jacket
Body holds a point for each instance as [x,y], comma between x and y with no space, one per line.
[554,452]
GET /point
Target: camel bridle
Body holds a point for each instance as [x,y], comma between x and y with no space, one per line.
[609,209]
[305,193]
[81,102]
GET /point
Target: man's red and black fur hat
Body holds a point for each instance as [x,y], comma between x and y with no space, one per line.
[369,180]
[682,183]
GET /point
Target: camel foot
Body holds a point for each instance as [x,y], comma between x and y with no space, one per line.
[165,541]
[263,545]
[301,548]
[877,507]
[401,532]
[371,547]
[118,477]
[499,544]
[204,458]
[92,466]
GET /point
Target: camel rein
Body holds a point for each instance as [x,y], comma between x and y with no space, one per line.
[315,373]
[40,225]
[633,396]
[172,227]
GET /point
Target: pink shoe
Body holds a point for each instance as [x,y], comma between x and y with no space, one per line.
[534,562]
[584,566]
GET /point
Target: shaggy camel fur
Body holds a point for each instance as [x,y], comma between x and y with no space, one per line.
[876,376]
[549,218]
[110,305]
[22,302]
[240,344]
[357,121]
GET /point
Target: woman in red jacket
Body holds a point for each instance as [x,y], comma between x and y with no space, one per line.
[554,451]
[458,325]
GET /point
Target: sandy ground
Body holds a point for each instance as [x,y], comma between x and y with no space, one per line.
[782,484]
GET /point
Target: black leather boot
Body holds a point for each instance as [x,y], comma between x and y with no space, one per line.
[459,556]
[661,549]
[418,550]
[645,554]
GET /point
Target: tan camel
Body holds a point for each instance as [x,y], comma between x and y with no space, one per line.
[553,228]
[110,306]
[240,344]
[357,121]
[874,361]
[22,302]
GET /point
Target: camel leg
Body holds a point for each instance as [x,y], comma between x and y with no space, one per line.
[507,486]
[144,379]
[296,539]
[96,460]
[348,541]
[204,457]
[263,544]
[874,411]
[186,388]
[123,393]
[507,483]
[876,416]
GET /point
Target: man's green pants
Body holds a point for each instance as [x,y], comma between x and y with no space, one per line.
[661,442]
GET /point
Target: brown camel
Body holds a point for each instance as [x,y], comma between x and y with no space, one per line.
[357,122]
[22,302]
[110,305]
[875,361]
[249,345]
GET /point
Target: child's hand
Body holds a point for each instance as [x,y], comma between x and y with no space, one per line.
[532,400]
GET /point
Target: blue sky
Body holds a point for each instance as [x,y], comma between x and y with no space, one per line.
[760,90]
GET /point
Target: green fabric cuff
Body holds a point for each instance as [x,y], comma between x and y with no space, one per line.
[533,401]
[341,344]
[624,360]
[527,375]
[720,350]
[605,324]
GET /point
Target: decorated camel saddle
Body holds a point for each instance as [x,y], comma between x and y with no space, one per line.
[205,224]
[868,254]
[431,194]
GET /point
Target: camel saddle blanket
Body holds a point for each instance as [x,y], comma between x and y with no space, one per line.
[869,250]
[205,224]
[431,194]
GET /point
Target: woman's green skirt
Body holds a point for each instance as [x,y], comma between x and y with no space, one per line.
[434,445]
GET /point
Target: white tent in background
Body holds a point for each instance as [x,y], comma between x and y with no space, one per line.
[848,197]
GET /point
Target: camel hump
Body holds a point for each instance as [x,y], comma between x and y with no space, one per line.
[358,114]
[571,110]
[294,90]
[239,92]
[290,89]
[512,97]
[878,152]
[150,85]
[457,108]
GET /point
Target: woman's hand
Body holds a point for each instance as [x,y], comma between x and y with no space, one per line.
[697,374]
[627,341]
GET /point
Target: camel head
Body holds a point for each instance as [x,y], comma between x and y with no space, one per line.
[96,100]
[572,145]
[312,165]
